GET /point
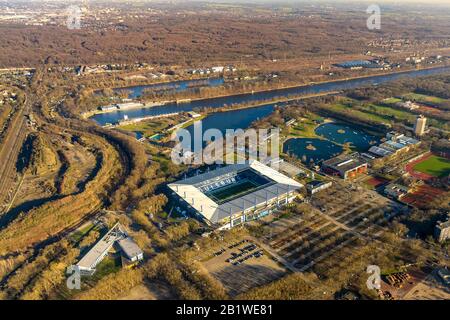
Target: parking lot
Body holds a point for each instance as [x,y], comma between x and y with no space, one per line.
[243,265]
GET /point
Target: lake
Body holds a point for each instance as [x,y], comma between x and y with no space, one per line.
[234,119]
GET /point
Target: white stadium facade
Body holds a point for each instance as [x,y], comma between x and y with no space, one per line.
[236,193]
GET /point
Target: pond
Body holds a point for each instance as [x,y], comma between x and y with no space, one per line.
[335,135]
[307,149]
[342,133]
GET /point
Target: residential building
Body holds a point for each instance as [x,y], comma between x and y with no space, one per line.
[419,125]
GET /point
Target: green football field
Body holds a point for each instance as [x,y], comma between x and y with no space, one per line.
[226,193]
[435,166]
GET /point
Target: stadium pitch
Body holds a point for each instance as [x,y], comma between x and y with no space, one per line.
[244,183]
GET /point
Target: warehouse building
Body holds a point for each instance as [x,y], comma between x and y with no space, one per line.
[345,166]
[358,64]
[234,194]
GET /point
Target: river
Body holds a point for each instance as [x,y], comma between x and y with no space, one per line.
[113,117]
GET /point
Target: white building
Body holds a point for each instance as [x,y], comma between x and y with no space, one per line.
[234,194]
[98,252]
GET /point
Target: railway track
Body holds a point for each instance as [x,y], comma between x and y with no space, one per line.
[10,150]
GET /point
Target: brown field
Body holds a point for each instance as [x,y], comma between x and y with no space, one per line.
[421,286]
[422,196]
[180,35]
[150,290]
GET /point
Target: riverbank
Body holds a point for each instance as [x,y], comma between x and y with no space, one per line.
[136,120]
[274,101]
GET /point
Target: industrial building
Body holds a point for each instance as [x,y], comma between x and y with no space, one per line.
[116,235]
[345,166]
[358,64]
[234,194]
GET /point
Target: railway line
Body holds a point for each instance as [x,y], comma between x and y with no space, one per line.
[10,150]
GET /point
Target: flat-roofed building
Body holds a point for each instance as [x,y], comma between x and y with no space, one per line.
[396,191]
[130,249]
[345,166]
[316,186]
[396,143]
[98,252]
[380,152]
[393,146]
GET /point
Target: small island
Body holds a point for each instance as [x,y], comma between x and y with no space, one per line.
[311,147]
[341,131]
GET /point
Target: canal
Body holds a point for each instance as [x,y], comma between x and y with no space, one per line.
[113,117]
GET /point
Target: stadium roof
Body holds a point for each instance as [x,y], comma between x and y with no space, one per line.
[189,190]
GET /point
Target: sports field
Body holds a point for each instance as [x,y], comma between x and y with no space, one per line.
[435,166]
[223,194]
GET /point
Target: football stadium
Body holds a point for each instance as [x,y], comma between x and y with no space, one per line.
[234,194]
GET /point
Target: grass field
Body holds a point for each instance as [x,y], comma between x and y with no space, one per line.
[365,115]
[392,100]
[234,190]
[306,127]
[423,98]
[399,114]
[435,166]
